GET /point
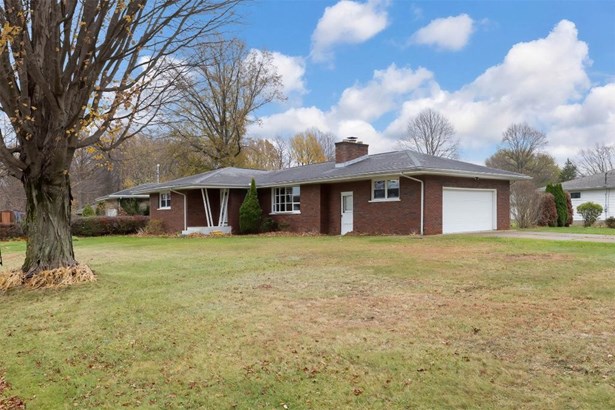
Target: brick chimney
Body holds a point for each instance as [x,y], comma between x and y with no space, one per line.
[349,149]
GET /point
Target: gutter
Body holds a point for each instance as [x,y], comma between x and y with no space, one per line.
[422,198]
[185,211]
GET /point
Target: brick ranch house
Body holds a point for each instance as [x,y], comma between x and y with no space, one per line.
[401,192]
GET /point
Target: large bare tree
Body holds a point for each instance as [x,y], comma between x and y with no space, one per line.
[522,151]
[597,160]
[431,133]
[74,73]
[226,84]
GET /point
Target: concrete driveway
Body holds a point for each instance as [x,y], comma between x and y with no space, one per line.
[552,236]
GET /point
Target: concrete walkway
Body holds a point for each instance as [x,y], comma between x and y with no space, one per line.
[552,236]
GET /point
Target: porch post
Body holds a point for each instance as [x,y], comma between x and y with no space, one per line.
[223,219]
[207,207]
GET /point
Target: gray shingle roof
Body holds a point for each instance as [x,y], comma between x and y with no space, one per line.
[138,191]
[591,182]
[389,163]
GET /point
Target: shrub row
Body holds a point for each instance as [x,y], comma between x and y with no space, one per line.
[12,231]
[106,225]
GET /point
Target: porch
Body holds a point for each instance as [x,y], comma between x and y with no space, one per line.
[206,211]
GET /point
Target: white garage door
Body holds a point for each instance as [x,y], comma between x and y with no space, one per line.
[468,210]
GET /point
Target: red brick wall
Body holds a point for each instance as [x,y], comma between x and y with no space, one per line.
[173,218]
[235,199]
[433,199]
[346,151]
[388,217]
[309,220]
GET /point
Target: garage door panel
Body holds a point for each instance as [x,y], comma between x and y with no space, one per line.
[468,210]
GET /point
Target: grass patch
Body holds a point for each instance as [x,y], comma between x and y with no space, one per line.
[318,322]
[594,230]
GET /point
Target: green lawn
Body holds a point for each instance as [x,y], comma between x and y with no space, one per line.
[574,229]
[317,322]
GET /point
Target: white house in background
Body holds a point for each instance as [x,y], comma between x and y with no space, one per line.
[599,188]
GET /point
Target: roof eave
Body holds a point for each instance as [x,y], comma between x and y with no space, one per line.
[421,171]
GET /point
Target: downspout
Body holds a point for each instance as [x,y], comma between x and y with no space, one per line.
[606,196]
[422,198]
[185,210]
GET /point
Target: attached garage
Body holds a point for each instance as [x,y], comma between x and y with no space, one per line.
[468,210]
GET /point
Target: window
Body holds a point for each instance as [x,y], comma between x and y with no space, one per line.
[286,199]
[385,189]
[164,200]
[575,195]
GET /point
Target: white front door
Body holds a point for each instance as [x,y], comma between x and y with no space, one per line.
[346,212]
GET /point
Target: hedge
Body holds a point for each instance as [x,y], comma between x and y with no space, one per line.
[108,225]
[12,231]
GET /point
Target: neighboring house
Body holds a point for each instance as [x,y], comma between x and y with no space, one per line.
[10,217]
[112,201]
[400,192]
[599,188]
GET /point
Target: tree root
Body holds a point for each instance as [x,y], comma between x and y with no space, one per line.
[48,279]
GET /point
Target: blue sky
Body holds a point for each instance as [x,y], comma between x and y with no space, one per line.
[364,68]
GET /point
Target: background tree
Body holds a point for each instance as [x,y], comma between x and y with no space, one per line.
[91,176]
[264,154]
[327,143]
[12,195]
[225,85]
[136,161]
[525,204]
[78,73]
[305,148]
[521,151]
[568,172]
[597,160]
[431,133]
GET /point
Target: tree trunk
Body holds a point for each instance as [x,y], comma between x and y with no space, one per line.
[48,216]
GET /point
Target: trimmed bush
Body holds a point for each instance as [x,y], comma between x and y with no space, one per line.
[130,206]
[548,212]
[610,222]
[101,209]
[560,203]
[250,213]
[590,212]
[107,225]
[270,225]
[87,211]
[153,227]
[570,209]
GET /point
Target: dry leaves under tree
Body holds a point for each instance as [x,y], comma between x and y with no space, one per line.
[55,278]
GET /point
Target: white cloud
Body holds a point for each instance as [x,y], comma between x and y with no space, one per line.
[292,70]
[290,122]
[347,22]
[541,72]
[449,33]
[543,82]
[382,93]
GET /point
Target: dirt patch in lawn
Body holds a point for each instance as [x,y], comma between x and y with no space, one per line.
[11,402]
